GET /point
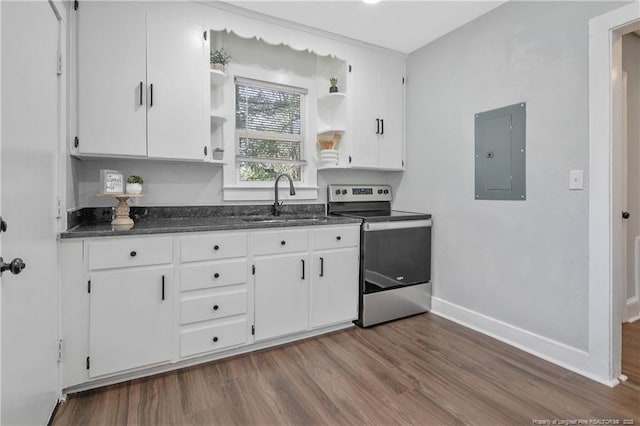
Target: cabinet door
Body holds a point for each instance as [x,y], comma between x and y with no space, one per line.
[130,319]
[177,76]
[334,286]
[281,295]
[378,114]
[365,112]
[111,79]
[391,91]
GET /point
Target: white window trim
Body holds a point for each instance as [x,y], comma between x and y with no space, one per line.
[239,133]
[306,189]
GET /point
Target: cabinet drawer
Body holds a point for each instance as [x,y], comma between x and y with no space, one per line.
[273,242]
[127,252]
[213,338]
[330,238]
[214,274]
[213,306]
[213,246]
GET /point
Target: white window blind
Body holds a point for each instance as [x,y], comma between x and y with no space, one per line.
[269,130]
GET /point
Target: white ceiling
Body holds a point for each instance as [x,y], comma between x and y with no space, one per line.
[399,25]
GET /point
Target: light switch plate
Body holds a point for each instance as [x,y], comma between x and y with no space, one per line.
[576,179]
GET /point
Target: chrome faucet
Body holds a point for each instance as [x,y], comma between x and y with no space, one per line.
[292,191]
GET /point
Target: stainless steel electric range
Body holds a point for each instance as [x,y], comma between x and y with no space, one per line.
[395,253]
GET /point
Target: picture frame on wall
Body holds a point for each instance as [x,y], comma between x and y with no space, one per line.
[111,182]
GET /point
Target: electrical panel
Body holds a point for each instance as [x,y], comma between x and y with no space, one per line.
[500,153]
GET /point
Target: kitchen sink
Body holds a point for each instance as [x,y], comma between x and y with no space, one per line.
[284,219]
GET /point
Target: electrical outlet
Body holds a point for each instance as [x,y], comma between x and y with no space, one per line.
[576,179]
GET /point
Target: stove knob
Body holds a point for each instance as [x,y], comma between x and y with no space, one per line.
[386,191]
[337,192]
[344,192]
[379,191]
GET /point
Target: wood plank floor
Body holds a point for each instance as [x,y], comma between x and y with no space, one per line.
[631,352]
[421,370]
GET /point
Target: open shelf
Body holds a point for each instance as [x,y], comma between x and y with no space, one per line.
[212,161]
[331,100]
[217,77]
[217,120]
[320,168]
[332,97]
[330,132]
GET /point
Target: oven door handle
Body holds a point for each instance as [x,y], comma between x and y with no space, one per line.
[400,224]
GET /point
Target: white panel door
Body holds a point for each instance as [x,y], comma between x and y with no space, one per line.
[281,295]
[177,75]
[334,288]
[130,319]
[30,125]
[112,68]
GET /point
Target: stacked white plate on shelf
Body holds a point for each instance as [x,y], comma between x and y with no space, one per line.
[328,157]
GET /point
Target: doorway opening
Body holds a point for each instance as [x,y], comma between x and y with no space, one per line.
[611,254]
[630,190]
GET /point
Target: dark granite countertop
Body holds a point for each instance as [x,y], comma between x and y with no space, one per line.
[95,222]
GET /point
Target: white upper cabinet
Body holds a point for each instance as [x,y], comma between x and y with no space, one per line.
[177,70]
[112,69]
[378,112]
[142,80]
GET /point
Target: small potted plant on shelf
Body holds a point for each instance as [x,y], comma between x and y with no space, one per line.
[218,153]
[334,85]
[134,184]
[220,58]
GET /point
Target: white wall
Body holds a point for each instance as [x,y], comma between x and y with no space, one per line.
[631,65]
[520,263]
[190,184]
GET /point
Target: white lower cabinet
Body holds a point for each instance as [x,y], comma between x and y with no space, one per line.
[281,295]
[130,304]
[294,295]
[214,297]
[130,320]
[213,337]
[213,306]
[334,286]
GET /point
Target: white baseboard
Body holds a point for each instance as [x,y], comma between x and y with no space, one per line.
[633,309]
[550,350]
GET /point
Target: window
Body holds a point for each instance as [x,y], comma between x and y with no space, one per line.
[269,130]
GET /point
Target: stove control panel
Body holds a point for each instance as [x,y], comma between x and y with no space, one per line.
[351,193]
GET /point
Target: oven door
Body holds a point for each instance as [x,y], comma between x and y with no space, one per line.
[395,254]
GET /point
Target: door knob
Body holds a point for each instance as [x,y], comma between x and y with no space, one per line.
[16,266]
[625,215]
[3,225]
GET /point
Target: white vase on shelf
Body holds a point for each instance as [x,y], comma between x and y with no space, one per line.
[134,188]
